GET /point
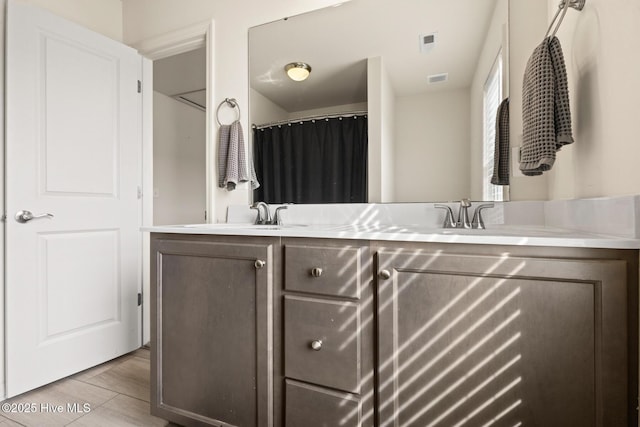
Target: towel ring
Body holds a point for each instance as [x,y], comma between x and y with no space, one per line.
[232,103]
[562,10]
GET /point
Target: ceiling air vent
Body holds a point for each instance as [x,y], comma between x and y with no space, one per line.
[438,78]
[427,41]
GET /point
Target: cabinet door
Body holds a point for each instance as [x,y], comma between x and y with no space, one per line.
[479,340]
[211,333]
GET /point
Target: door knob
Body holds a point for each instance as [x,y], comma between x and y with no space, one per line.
[316,272]
[26,216]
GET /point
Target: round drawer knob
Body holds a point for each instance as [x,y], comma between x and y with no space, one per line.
[385,274]
[316,272]
[259,263]
[316,345]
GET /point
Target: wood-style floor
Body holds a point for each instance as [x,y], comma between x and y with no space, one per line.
[116,394]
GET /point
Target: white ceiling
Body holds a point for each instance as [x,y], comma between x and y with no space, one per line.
[336,42]
[182,76]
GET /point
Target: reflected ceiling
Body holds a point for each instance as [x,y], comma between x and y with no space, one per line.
[336,42]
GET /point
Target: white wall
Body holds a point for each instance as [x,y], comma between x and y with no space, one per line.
[144,19]
[178,162]
[336,109]
[381,127]
[432,146]
[263,110]
[101,16]
[601,45]
[388,147]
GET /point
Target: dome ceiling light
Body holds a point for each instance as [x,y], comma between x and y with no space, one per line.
[298,71]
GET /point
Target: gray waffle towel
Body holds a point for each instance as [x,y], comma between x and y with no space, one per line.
[232,160]
[546,113]
[501,154]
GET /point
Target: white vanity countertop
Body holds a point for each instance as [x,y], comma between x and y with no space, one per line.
[494,235]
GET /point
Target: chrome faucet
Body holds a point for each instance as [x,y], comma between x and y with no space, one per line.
[264,214]
[463,215]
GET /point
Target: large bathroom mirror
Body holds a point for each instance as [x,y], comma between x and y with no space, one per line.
[419,69]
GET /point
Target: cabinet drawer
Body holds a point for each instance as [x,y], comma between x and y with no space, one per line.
[323,270]
[333,327]
[310,406]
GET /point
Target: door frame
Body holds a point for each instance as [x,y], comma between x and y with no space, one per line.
[186,39]
[3,26]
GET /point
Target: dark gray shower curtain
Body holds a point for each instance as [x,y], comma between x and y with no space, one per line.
[314,161]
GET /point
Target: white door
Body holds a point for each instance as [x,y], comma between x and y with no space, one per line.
[74,151]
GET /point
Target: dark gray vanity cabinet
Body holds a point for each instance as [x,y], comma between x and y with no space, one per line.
[301,332]
[468,339]
[212,350]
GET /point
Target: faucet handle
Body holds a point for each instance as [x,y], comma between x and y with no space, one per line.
[277,216]
[259,219]
[448,219]
[477,221]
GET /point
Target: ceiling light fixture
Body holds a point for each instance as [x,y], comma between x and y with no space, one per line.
[297,71]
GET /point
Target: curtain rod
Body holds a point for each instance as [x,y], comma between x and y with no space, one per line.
[310,118]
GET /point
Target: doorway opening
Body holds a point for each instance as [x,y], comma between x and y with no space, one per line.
[185,40]
[179,138]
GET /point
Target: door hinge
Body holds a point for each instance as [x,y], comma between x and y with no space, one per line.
[139,299]
[139,192]
[139,86]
